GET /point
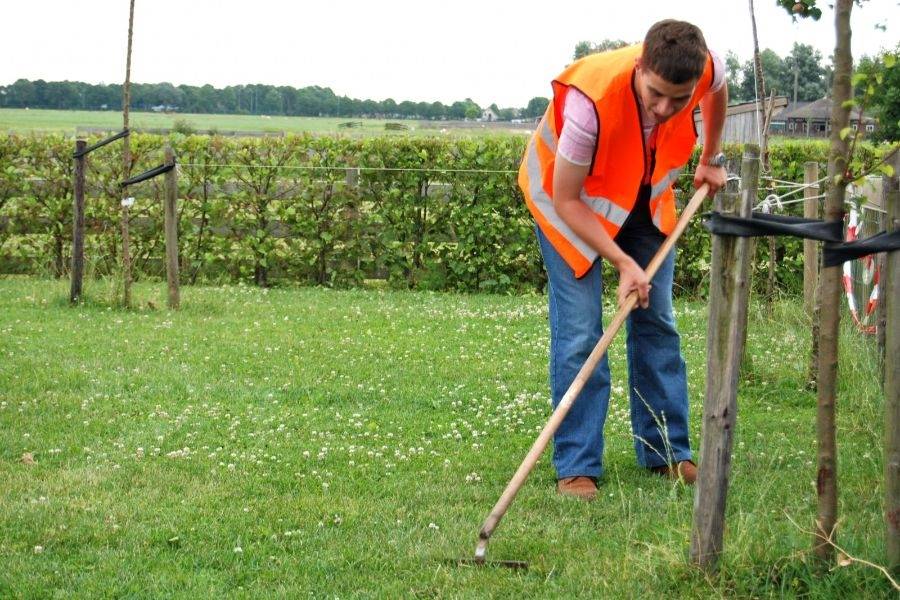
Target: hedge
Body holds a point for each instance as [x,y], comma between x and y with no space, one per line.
[422,213]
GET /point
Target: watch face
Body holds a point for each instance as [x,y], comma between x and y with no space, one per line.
[718,160]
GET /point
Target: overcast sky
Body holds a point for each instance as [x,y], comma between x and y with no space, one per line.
[503,52]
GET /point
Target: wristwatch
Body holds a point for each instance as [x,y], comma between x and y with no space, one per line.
[717,160]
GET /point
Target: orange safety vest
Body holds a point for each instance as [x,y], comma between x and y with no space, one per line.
[612,184]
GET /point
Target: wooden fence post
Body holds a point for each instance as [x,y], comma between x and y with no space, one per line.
[728,300]
[810,247]
[351,177]
[78,225]
[890,300]
[171,228]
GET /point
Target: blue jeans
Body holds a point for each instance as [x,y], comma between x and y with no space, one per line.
[657,377]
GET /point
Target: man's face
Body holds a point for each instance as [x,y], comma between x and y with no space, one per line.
[661,98]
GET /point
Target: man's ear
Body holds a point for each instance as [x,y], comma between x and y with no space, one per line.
[637,63]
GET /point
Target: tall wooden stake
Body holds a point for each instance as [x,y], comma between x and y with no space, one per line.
[126,166]
[728,299]
[171,228]
[812,260]
[78,226]
[810,247]
[890,299]
[826,479]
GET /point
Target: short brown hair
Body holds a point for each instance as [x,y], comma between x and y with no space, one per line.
[675,50]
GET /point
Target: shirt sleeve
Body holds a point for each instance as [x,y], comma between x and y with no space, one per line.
[579,132]
[718,73]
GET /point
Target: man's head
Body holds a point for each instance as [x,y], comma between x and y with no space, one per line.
[672,61]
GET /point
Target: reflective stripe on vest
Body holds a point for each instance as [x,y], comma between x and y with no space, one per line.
[663,184]
[541,200]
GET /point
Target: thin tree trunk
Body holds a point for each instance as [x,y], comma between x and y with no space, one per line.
[760,82]
[58,268]
[126,167]
[198,253]
[760,88]
[890,303]
[826,480]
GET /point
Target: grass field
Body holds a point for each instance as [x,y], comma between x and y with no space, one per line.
[66,121]
[307,442]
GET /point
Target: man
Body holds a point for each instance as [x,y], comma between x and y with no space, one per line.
[597,177]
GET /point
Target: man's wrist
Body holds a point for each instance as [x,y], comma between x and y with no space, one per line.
[620,260]
[712,159]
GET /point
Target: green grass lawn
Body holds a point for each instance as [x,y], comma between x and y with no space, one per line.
[307,442]
[21,120]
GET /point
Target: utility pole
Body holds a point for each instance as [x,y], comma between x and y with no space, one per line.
[796,79]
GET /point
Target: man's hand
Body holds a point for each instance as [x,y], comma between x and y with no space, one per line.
[715,177]
[632,278]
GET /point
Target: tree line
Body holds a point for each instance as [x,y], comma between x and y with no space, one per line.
[254,99]
[802,75]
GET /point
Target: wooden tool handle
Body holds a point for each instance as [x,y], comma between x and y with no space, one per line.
[562,409]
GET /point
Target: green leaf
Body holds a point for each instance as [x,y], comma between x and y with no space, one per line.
[887,170]
[846,131]
[848,103]
[889,61]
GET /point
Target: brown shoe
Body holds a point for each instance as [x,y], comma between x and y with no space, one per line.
[684,471]
[579,487]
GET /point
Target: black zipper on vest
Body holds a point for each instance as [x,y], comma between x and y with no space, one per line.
[637,106]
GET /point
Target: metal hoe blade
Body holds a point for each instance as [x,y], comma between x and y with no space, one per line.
[479,560]
[474,562]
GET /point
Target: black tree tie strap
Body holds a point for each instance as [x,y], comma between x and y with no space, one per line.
[835,254]
[108,140]
[148,174]
[835,249]
[762,224]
